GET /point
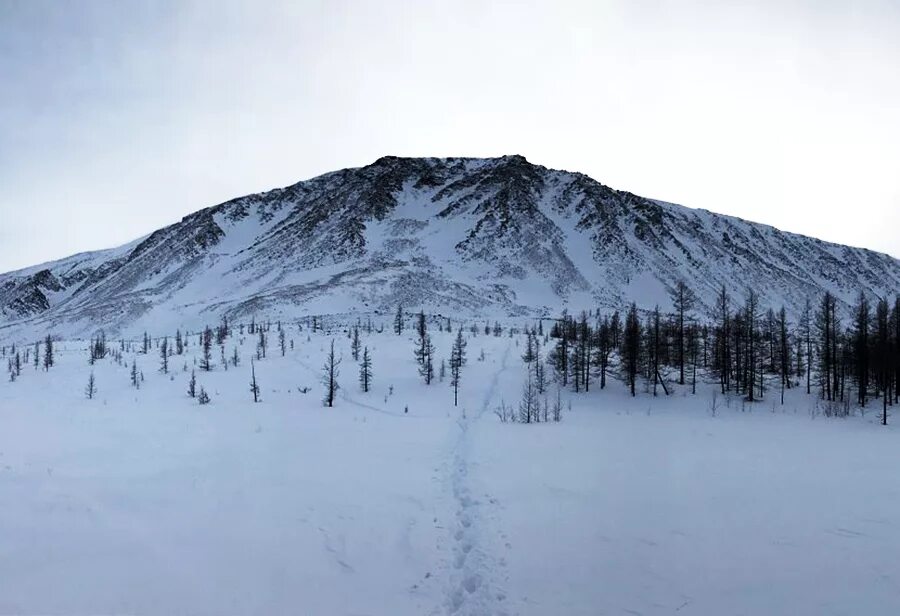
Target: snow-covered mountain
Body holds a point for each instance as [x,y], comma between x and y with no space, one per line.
[465,236]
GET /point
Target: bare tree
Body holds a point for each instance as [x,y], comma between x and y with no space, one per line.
[206,343]
[631,347]
[805,334]
[329,376]
[683,302]
[751,315]
[530,404]
[91,388]
[528,355]
[354,344]
[254,386]
[827,333]
[164,356]
[603,346]
[723,351]
[882,354]
[135,375]
[655,345]
[861,346]
[426,367]
[263,343]
[784,351]
[540,377]
[365,370]
[48,352]
[398,320]
[457,361]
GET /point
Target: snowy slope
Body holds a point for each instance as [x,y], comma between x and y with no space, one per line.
[468,236]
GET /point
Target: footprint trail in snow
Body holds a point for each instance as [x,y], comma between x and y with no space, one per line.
[472,590]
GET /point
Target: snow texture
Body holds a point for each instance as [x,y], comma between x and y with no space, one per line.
[396,502]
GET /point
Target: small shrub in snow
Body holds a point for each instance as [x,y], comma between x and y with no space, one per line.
[714,403]
[505,413]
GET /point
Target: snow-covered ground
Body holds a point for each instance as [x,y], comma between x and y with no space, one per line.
[144,502]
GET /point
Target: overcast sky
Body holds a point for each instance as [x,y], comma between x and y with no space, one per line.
[117,118]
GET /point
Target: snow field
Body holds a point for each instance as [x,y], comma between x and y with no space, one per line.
[144,502]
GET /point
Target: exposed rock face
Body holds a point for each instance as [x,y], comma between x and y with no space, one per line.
[496,236]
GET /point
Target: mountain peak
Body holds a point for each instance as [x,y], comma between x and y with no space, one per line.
[389,159]
[514,158]
[463,236]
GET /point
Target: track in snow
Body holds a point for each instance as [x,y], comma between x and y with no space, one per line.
[472,590]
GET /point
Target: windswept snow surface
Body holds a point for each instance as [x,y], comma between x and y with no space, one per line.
[143,502]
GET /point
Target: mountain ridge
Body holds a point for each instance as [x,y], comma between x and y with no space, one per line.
[473,236]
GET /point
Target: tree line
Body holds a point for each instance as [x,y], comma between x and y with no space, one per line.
[749,350]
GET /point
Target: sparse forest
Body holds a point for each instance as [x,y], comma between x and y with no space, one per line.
[557,389]
[848,359]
